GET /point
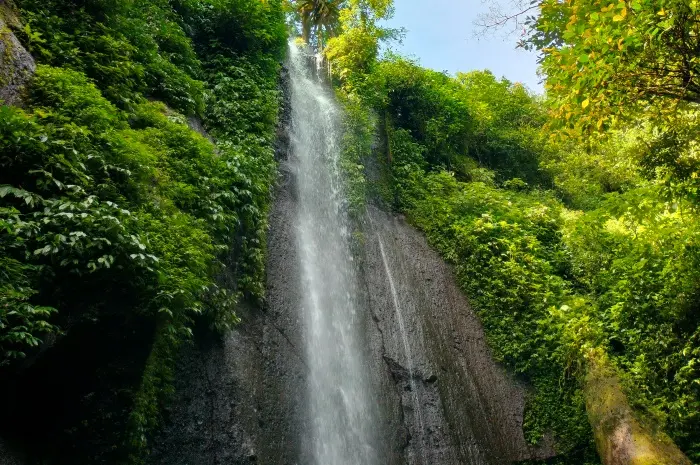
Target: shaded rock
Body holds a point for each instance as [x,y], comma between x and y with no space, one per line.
[245,399]
[195,124]
[620,436]
[474,414]
[16,64]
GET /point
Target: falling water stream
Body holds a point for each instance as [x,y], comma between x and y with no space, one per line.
[341,415]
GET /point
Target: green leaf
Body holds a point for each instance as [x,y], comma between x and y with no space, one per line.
[4,190]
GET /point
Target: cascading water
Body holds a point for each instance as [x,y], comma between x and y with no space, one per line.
[339,403]
[403,376]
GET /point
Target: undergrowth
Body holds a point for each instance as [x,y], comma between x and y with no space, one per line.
[109,196]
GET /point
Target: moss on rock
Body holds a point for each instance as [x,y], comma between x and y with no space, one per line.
[622,438]
[16,64]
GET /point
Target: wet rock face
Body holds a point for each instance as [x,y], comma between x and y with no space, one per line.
[16,64]
[245,399]
[241,400]
[472,411]
[236,401]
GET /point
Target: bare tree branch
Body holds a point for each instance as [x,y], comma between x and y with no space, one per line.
[500,15]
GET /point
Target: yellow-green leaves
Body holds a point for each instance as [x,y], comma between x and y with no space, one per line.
[621,15]
[622,56]
[354,51]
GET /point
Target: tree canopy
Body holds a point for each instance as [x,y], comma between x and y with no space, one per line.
[605,61]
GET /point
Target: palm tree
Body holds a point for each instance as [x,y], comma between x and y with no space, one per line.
[306,10]
[319,16]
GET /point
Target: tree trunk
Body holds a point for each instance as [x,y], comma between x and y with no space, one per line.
[621,437]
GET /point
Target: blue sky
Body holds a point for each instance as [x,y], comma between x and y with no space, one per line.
[440,33]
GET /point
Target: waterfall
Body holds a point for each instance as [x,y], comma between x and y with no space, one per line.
[339,406]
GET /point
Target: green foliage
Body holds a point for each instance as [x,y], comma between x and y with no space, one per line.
[127,48]
[466,124]
[583,175]
[556,405]
[83,213]
[506,130]
[668,155]
[428,104]
[604,60]
[111,203]
[352,55]
[549,282]
[637,254]
[21,323]
[358,136]
[405,168]
[243,100]
[242,114]
[247,27]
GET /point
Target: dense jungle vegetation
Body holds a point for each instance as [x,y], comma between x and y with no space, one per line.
[135,185]
[123,223]
[572,218]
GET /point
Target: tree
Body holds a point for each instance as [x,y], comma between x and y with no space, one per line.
[604,60]
[353,53]
[516,16]
[319,17]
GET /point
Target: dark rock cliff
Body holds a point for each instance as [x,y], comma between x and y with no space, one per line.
[472,410]
[242,399]
[16,64]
